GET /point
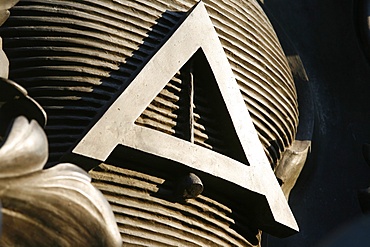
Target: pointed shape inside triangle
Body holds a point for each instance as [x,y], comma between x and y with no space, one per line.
[117,126]
[191,107]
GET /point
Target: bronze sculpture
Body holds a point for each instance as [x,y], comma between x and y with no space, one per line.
[82,60]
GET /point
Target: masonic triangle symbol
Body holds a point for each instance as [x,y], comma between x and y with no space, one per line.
[191,107]
[248,167]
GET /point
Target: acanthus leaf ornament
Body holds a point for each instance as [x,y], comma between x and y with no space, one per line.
[57,206]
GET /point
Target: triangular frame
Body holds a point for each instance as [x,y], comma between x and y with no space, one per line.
[117,125]
[199,66]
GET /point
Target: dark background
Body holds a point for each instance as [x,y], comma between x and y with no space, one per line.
[325,36]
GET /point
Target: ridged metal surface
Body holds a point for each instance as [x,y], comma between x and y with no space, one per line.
[144,219]
[74,56]
[168,111]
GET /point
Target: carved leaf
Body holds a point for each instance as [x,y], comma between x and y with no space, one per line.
[4,12]
[53,207]
[25,149]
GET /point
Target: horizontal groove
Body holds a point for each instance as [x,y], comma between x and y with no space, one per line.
[65,146]
[211,131]
[159,118]
[254,90]
[273,155]
[65,52]
[69,100]
[127,197]
[135,180]
[214,142]
[281,131]
[70,32]
[167,95]
[274,133]
[82,19]
[127,173]
[78,91]
[76,47]
[172,230]
[168,113]
[200,142]
[91,84]
[113,13]
[202,202]
[264,69]
[253,13]
[252,32]
[86,27]
[135,236]
[250,10]
[83,70]
[63,60]
[202,117]
[134,187]
[287,127]
[185,216]
[70,45]
[153,231]
[152,124]
[250,77]
[165,103]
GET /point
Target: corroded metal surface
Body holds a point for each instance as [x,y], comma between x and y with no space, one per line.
[73,57]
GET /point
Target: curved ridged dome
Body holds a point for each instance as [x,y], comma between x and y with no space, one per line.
[73,57]
[145,219]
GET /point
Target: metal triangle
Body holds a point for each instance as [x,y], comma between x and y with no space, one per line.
[117,126]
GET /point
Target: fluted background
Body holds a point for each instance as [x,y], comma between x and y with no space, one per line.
[146,219]
[73,57]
